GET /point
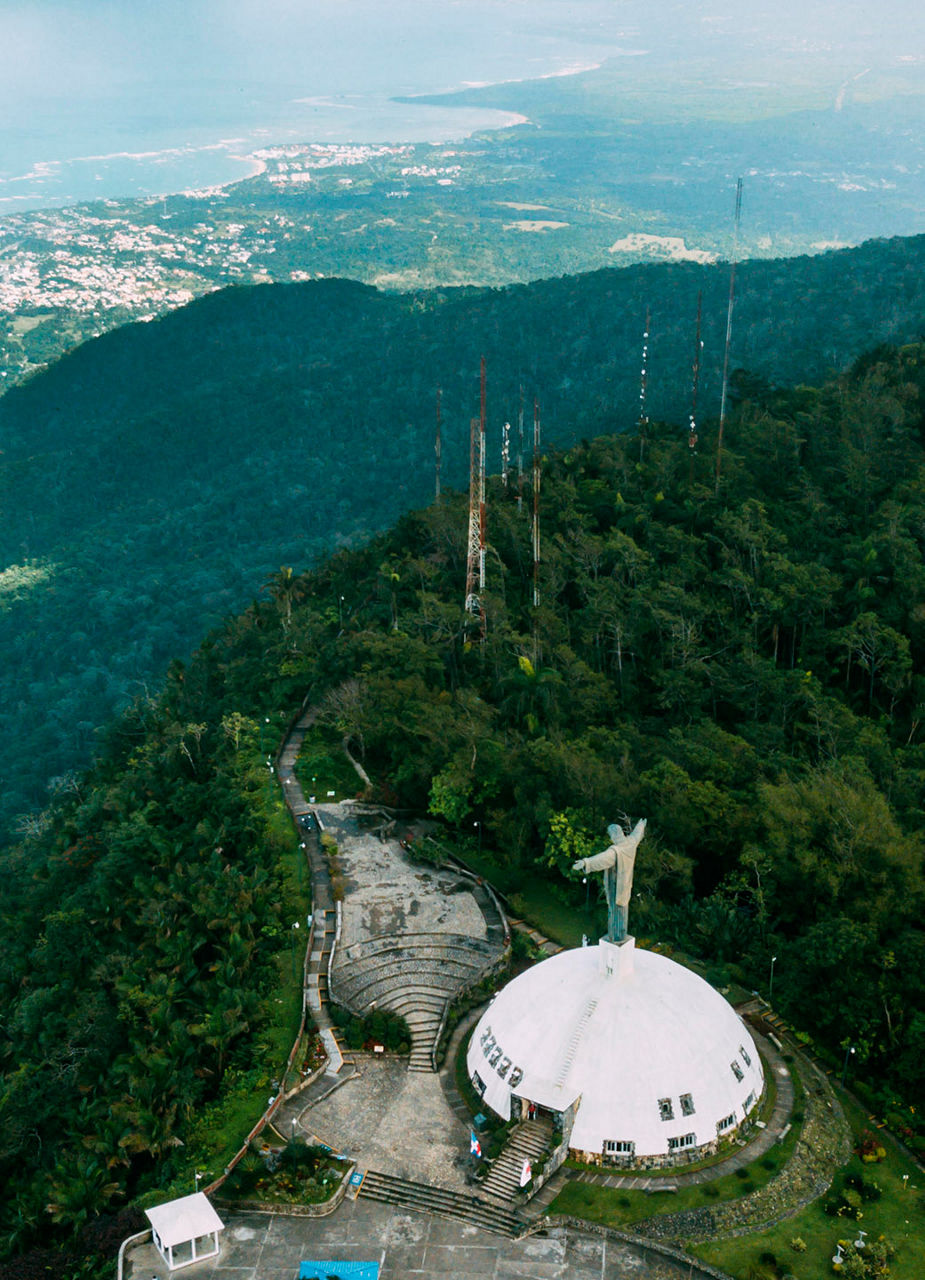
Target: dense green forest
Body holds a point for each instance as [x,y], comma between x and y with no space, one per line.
[742,663]
[151,480]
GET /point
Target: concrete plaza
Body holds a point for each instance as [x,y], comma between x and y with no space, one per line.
[407,1246]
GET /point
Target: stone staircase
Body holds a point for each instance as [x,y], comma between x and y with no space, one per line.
[413,975]
[528,1141]
[418,1197]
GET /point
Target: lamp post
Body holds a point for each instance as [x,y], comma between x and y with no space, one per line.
[771,980]
[844,1071]
[198,1178]
[295,941]
[479,826]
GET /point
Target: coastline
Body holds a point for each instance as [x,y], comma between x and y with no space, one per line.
[84,179]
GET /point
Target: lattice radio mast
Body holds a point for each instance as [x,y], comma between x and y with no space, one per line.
[643,387]
[505,452]
[732,287]
[520,451]
[695,385]
[438,450]
[475,560]
[536,504]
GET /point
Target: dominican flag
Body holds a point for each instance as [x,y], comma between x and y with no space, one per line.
[526,1173]
[475,1147]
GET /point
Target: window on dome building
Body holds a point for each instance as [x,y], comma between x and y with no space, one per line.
[745,1058]
[665,1109]
[749,1102]
[726,1123]
[678,1144]
[615,1147]
[737,1071]
[478,1084]
[687,1104]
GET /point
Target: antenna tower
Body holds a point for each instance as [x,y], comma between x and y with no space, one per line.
[732,287]
[505,452]
[695,385]
[438,449]
[643,387]
[520,451]
[475,560]
[536,504]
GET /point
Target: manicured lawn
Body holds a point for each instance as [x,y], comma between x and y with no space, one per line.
[899,1216]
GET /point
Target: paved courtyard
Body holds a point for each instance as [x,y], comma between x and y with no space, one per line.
[386,893]
[408,1247]
[389,1119]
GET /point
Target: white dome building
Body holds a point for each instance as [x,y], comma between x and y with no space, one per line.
[644,1061]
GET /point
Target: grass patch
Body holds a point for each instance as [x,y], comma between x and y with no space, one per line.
[899,1216]
[616,1207]
[557,920]
[461,1077]
[323,767]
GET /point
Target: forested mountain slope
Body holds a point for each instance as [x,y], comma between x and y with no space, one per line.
[152,479]
[745,667]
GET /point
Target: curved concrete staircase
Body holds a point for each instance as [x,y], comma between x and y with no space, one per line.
[415,975]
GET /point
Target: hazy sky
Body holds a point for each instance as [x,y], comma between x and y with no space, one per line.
[82,49]
[82,73]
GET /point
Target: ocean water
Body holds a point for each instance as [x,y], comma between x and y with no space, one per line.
[108,99]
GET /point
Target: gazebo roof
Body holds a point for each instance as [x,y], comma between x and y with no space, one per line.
[185,1219]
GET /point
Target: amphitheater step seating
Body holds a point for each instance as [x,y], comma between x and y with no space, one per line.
[412,974]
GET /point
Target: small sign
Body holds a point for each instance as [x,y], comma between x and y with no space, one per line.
[331,793]
[378,1048]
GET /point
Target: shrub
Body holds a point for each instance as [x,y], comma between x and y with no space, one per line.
[741,1173]
[798,1245]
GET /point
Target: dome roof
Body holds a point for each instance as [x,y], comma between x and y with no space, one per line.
[657,1057]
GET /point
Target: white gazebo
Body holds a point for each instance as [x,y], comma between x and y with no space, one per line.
[185,1230]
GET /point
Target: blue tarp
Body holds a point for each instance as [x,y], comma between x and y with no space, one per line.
[340,1270]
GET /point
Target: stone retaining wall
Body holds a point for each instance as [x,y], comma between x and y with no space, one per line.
[295,1210]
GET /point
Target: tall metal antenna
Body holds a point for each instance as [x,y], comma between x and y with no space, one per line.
[520,451]
[695,385]
[732,286]
[505,452]
[482,540]
[643,386]
[438,449]
[475,559]
[536,504]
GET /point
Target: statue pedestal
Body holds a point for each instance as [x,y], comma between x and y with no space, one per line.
[616,958]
